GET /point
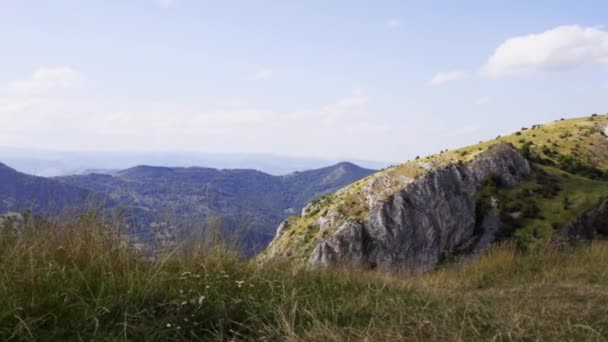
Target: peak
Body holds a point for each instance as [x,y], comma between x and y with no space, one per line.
[347,165]
[351,168]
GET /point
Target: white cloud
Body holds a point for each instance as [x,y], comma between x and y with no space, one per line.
[74,122]
[264,74]
[66,120]
[559,49]
[480,101]
[45,79]
[604,86]
[9,105]
[393,22]
[444,77]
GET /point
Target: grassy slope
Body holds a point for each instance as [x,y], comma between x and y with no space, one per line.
[77,283]
[580,137]
[583,194]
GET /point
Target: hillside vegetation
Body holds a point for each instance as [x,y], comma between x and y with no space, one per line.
[19,191]
[78,281]
[176,197]
[569,159]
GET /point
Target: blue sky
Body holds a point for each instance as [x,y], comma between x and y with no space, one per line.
[380,80]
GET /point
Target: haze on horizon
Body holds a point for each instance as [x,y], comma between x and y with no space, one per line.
[348,79]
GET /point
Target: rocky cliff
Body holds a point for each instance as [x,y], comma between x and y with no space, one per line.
[585,227]
[412,224]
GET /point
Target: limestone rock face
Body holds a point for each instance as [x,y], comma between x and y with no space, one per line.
[585,227]
[429,219]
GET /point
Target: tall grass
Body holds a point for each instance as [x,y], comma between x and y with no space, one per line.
[79,281]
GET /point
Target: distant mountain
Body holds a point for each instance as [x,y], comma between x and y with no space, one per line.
[243,199]
[96,171]
[170,201]
[48,163]
[19,191]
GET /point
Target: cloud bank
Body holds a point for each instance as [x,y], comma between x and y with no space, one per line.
[559,49]
[35,115]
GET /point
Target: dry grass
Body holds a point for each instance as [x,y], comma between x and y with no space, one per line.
[78,281]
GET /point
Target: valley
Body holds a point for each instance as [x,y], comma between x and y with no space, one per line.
[167,205]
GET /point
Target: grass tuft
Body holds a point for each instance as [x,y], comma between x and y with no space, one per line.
[79,281]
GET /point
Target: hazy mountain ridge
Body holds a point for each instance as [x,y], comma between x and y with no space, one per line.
[172,198]
[49,163]
[244,199]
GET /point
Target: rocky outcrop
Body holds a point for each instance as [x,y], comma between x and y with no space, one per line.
[429,219]
[585,227]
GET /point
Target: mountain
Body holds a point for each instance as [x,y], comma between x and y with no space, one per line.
[170,202]
[246,200]
[49,163]
[540,185]
[19,191]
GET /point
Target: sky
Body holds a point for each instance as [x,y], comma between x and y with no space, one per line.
[376,80]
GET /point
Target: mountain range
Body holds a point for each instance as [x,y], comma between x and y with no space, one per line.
[537,187]
[159,201]
[51,163]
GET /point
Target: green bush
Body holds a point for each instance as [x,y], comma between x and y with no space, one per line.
[526,150]
[576,166]
[547,187]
